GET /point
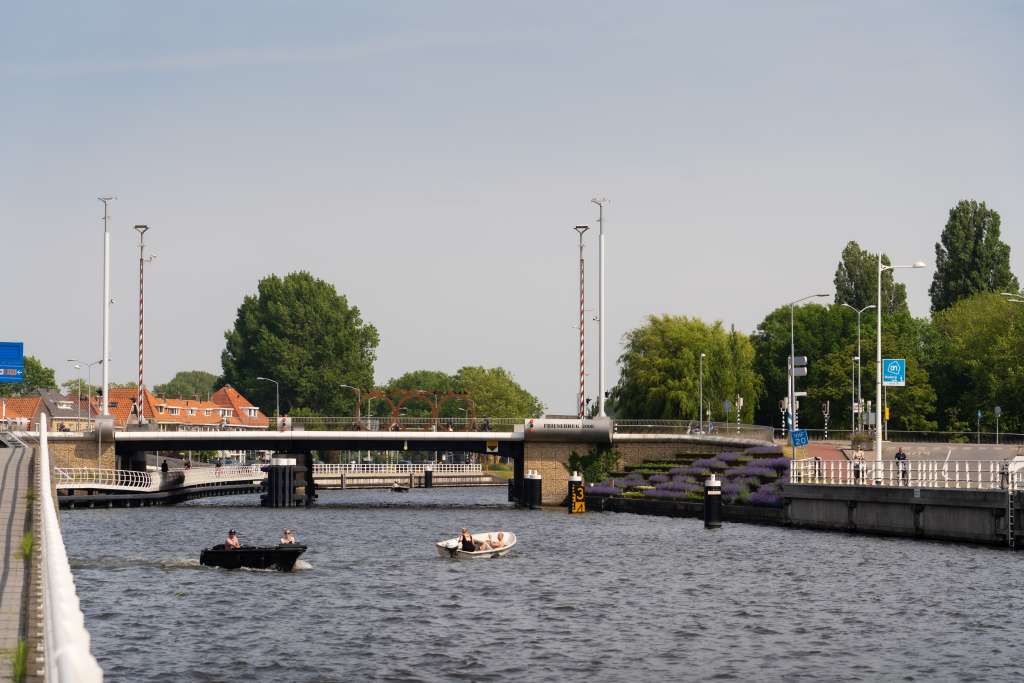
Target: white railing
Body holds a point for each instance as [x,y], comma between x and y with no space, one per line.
[65,641]
[957,474]
[149,482]
[323,470]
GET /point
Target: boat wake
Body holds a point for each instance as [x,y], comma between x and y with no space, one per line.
[129,562]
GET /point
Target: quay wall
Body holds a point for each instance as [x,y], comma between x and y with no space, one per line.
[969,516]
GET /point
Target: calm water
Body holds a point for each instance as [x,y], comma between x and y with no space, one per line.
[603,597]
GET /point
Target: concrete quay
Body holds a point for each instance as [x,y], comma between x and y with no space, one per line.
[16,513]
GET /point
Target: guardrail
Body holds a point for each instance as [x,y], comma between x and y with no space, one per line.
[149,482]
[405,423]
[957,474]
[66,643]
[910,436]
[382,468]
[694,427]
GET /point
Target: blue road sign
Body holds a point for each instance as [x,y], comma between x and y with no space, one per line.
[799,437]
[894,372]
[12,362]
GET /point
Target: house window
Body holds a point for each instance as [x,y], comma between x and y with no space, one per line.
[252,412]
[112,404]
[64,405]
[207,411]
[172,411]
[191,411]
[160,409]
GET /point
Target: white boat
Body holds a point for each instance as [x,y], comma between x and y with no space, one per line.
[452,547]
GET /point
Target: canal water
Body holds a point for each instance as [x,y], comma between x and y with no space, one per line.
[600,597]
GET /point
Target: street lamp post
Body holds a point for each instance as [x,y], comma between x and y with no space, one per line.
[277,395]
[853,395]
[700,396]
[78,366]
[878,359]
[600,305]
[792,359]
[106,304]
[359,398]
[860,396]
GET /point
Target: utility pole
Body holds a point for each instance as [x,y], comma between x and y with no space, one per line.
[141,229]
[106,303]
[600,305]
[583,367]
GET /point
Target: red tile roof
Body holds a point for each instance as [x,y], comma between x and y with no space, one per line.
[25,407]
[190,413]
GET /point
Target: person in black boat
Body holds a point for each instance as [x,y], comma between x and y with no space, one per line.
[232,542]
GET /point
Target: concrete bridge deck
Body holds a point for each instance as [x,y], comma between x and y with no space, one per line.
[15,515]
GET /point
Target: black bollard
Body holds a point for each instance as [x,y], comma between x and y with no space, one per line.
[712,503]
[428,477]
[532,486]
[577,502]
[511,490]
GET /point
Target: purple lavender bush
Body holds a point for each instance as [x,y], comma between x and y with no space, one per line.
[765,497]
[752,471]
[709,464]
[780,463]
[764,450]
[603,489]
[664,493]
[733,459]
[658,478]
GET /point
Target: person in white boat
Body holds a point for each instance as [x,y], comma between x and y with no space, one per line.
[466,541]
[499,542]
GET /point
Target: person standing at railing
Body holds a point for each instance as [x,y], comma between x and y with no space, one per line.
[901,465]
[164,467]
[858,465]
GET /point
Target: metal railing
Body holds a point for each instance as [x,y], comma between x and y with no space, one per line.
[383,468]
[723,429]
[66,643]
[957,474]
[149,482]
[404,423]
[911,436]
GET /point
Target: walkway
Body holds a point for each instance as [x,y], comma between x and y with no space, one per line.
[14,511]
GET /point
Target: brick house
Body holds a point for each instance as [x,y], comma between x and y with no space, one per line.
[225,409]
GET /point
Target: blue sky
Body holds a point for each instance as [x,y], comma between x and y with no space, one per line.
[430,160]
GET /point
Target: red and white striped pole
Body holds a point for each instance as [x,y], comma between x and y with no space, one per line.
[141,229]
[583,368]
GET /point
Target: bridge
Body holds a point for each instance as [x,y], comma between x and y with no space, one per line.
[91,487]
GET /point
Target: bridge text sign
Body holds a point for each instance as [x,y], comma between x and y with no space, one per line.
[12,362]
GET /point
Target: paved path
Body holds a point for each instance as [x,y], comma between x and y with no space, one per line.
[14,509]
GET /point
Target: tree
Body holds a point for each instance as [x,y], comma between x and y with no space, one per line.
[970,257]
[433,382]
[856,281]
[72,387]
[496,393]
[299,331]
[37,376]
[189,383]
[660,370]
[974,360]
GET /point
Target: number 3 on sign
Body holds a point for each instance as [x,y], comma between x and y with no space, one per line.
[578,501]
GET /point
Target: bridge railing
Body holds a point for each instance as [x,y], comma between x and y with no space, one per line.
[404,423]
[957,474]
[694,427]
[383,468]
[911,436]
[66,643]
[79,477]
[129,480]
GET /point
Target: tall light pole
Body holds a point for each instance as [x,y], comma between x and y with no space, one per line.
[78,366]
[855,361]
[359,397]
[106,304]
[141,229]
[89,384]
[792,359]
[860,397]
[582,402]
[878,355]
[700,394]
[600,305]
[277,395]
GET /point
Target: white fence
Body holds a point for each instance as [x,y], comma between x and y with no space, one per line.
[441,468]
[957,474]
[66,647]
[148,482]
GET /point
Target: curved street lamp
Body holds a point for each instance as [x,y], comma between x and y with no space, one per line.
[878,358]
[277,394]
[792,358]
[860,397]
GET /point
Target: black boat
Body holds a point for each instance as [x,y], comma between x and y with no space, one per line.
[280,557]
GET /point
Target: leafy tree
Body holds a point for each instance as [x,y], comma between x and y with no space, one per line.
[970,257]
[433,382]
[37,376]
[189,383]
[856,281]
[974,360]
[496,393]
[300,332]
[660,368]
[71,388]
[827,336]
